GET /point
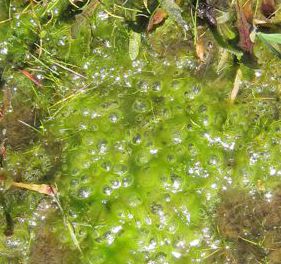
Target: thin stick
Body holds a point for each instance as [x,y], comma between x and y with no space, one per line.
[43,64]
[68,69]
[31,127]
[68,224]
[6,20]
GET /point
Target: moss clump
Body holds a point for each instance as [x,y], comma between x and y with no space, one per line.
[16,124]
[249,225]
[46,247]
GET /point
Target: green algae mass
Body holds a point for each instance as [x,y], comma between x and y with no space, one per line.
[141,151]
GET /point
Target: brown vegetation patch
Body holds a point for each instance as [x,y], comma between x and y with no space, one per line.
[251,225]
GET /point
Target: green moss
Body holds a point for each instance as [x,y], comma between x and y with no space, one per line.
[141,150]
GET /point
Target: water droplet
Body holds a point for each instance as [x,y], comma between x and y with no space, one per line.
[120,169]
[127,181]
[176,84]
[137,139]
[115,184]
[177,139]
[107,190]
[85,112]
[143,86]
[113,117]
[157,208]
[153,151]
[156,87]
[95,115]
[102,147]
[84,192]
[171,158]
[194,243]
[142,158]
[134,200]
[106,165]
[109,237]
[161,258]
[192,93]
[140,106]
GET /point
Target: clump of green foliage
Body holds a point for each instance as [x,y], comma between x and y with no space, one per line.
[126,109]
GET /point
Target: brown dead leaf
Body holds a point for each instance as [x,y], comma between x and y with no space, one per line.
[236,86]
[248,11]
[158,17]
[268,7]
[244,29]
[200,49]
[31,77]
[40,188]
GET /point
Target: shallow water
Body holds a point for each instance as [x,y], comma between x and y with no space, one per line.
[142,152]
